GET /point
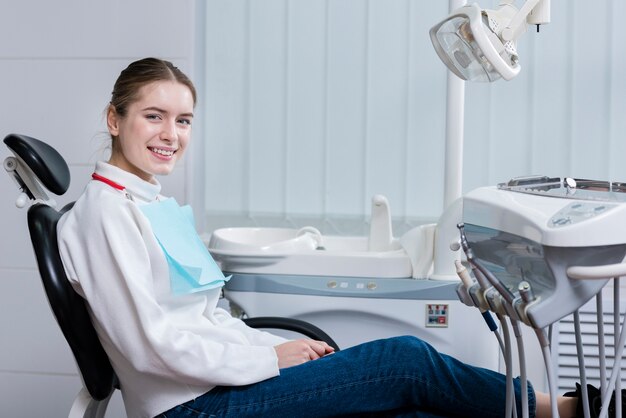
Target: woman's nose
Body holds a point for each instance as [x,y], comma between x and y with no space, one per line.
[168,131]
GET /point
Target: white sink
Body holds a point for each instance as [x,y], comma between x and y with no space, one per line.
[305,252]
[266,240]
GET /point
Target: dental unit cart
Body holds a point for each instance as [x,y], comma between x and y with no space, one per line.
[540,249]
[351,292]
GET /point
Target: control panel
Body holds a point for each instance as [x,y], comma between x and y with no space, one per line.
[577,212]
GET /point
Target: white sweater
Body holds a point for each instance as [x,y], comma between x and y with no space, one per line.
[165,349]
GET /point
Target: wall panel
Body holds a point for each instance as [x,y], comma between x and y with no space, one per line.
[79,29]
[387,97]
[347,51]
[305,108]
[267,74]
[425,148]
[617,89]
[551,96]
[226,95]
[590,99]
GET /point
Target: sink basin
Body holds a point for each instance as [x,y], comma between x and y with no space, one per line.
[305,252]
[266,240]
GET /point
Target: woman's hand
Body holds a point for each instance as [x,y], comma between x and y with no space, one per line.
[293,353]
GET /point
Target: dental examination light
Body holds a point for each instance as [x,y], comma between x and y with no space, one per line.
[476,45]
[480,44]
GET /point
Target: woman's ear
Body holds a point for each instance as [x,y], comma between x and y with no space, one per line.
[113,121]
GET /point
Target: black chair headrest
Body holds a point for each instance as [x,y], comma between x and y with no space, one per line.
[68,306]
[44,161]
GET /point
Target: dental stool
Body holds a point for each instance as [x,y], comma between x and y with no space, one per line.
[38,168]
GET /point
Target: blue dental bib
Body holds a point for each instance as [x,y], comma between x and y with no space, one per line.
[191,267]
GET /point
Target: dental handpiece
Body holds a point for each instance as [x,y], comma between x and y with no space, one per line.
[467,282]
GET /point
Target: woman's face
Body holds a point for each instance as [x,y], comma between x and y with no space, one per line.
[155,131]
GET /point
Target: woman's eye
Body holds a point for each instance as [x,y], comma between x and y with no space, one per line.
[153,117]
[184,121]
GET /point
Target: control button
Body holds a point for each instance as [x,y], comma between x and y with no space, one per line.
[360,285]
[576,205]
[371,286]
[343,285]
[332,284]
[599,208]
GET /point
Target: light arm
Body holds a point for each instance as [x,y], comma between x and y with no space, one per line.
[517,25]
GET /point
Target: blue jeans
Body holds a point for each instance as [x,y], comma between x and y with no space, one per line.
[396,377]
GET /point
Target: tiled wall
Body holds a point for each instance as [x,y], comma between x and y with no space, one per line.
[58,62]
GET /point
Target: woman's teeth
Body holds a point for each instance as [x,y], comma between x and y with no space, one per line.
[162,152]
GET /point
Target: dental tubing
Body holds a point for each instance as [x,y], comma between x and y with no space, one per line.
[544,343]
[616,332]
[601,343]
[504,346]
[615,371]
[491,286]
[522,366]
[581,363]
[510,400]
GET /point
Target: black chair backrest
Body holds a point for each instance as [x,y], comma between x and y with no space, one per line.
[44,161]
[69,308]
[67,305]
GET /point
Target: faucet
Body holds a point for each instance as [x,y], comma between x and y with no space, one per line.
[380,225]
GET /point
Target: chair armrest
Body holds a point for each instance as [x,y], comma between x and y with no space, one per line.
[290,324]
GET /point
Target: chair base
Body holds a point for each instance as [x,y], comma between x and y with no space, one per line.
[85,406]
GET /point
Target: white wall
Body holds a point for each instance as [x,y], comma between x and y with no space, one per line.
[58,62]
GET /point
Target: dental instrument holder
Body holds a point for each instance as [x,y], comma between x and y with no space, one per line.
[381,233]
[540,248]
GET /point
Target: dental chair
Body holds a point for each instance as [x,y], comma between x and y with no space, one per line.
[37,168]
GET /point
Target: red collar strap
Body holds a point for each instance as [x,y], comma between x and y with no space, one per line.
[105,180]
